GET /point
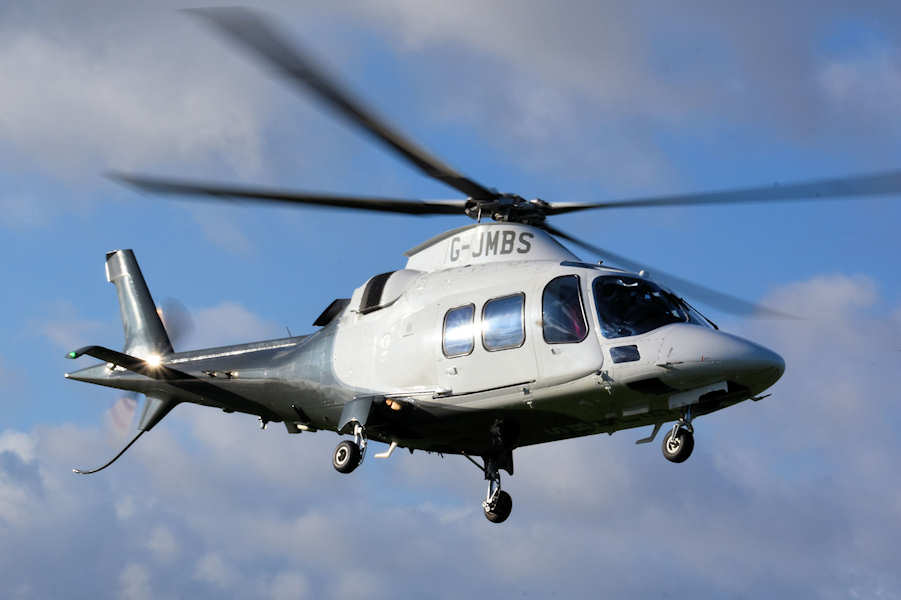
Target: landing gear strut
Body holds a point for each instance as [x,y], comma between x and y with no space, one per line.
[497,504]
[349,454]
[680,441]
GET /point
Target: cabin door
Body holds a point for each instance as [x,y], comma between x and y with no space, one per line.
[487,345]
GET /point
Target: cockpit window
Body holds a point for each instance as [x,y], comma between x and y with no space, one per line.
[632,306]
[562,317]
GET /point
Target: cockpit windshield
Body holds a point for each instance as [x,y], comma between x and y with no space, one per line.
[630,305]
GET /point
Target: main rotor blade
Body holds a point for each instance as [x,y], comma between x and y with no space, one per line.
[160,185]
[255,32]
[874,184]
[719,300]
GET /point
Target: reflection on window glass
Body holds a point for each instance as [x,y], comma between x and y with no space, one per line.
[458,338]
[632,306]
[562,318]
[502,325]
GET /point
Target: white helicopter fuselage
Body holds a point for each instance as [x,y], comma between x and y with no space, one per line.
[486,324]
[602,380]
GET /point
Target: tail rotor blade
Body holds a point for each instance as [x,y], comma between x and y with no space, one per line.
[122,413]
[176,319]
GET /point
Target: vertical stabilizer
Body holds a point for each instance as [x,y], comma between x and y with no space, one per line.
[144,331]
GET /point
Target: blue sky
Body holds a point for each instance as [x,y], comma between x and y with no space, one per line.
[794,495]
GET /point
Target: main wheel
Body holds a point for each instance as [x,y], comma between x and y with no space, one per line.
[677,448]
[346,457]
[502,508]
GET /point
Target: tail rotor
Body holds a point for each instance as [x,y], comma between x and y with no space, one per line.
[176,319]
[178,323]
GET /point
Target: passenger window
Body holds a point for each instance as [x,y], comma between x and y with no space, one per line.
[502,323]
[562,317]
[458,335]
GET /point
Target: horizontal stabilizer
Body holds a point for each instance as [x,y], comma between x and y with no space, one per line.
[149,368]
[177,379]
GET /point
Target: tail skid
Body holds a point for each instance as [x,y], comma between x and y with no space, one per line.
[113,459]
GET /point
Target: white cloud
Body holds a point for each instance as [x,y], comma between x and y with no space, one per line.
[67,329]
[14,501]
[130,88]
[221,230]
[357,583]
[162,544]
[134,583]
[588,47]
[289,586]
[827,296]
[20,444]
[21,210]
[212,569]
[229,323]
[125,508]
[865,85]
[601,90]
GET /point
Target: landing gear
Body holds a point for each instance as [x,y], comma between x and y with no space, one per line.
[680,441]
[347,457]
[678,444]
[497,504]
[349,454]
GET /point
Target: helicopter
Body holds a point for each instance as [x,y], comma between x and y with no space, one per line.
[493,336]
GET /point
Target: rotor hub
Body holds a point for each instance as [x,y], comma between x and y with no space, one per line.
[508,208]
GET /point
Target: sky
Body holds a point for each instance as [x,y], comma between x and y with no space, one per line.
[796,495]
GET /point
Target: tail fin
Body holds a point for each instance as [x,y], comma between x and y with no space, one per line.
[145,334]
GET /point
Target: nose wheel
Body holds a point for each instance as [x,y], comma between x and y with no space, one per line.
[678,444]
[680,441]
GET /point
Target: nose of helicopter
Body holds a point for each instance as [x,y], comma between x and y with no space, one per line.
[694,352]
